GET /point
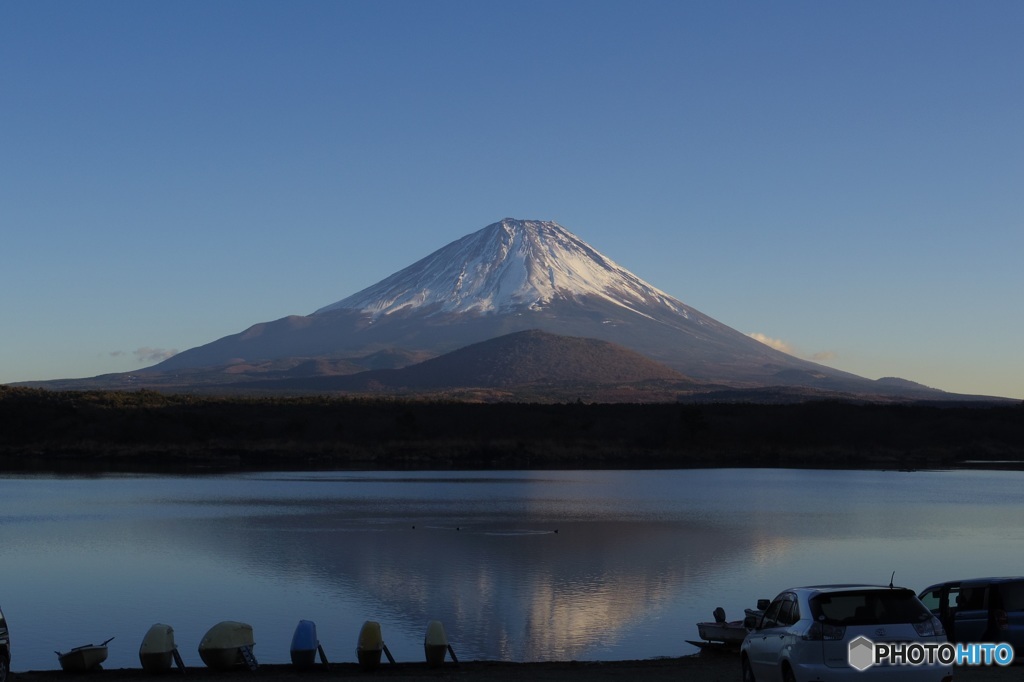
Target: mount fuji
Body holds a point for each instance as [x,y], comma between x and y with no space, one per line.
[512,276]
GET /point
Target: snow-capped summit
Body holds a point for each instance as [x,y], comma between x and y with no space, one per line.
[509,265]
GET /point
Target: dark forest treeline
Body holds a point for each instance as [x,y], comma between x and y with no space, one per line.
[148,431]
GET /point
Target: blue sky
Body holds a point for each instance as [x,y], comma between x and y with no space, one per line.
[844,178]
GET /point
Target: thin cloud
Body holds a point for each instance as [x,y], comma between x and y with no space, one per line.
[146,354]
[777,344]
[788,348]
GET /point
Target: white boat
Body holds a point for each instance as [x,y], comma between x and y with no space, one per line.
[228,644]
[728,632]
[83,658]
[156,654]
[435,643]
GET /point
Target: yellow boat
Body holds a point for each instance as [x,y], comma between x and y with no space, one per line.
[228,644]
[156,654]
[370,646]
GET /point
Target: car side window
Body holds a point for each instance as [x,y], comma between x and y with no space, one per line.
[972,599]
[771,616]
[1013,596]
[789,613]
[932,600]
[953,598]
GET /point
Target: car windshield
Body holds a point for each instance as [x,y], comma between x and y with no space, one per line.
[868,607]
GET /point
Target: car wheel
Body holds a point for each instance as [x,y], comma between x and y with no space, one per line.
[3,669]
[748,672]
[787,673]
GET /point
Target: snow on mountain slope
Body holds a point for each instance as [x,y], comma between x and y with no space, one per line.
[509,265]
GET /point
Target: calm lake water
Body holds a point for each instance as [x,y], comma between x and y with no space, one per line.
[520,566]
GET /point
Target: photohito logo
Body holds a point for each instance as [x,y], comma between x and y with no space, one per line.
[863,653]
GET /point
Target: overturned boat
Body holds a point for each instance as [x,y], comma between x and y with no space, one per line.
[435,644]
[83,658]
[158,651]
[228,644]
[371,645]
[305,645]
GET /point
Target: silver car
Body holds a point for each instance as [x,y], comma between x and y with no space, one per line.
[5,649]
[806,632]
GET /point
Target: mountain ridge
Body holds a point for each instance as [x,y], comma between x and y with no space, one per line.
[510,276]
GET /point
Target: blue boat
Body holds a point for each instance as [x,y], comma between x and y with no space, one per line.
[305,644]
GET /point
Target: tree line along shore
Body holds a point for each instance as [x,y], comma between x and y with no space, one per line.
[146,431]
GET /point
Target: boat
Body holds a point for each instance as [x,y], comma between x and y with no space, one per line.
[83,658]
[371,645]
[728,633]
[157,652]
[435,643]
[227,645]
[305,644]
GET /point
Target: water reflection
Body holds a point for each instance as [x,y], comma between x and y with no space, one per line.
[505,590]
[637,559]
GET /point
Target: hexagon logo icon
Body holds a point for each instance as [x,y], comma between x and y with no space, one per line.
[861,654]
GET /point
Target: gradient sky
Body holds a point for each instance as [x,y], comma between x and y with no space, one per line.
[842,178]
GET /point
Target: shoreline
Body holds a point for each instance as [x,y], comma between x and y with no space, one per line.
[705,666]
[701,667]
[92,433]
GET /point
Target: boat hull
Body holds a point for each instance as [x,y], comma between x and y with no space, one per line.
[304,644]
[156,663]
[435,643]
[83,659]
[221,647]
[732,632]
[156,654]
[370,646]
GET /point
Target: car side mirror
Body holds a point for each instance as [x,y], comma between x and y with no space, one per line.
[752,623]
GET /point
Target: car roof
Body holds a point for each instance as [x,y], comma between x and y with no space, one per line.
[844,587]
[973,581]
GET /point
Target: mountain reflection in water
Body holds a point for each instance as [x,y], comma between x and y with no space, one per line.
[516,592]
[637,559]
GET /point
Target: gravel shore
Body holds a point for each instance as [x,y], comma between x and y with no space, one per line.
[703,667]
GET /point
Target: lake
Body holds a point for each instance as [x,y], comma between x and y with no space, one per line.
[518,565]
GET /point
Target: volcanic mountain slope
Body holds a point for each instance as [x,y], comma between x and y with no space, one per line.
[519,359]
[516,275]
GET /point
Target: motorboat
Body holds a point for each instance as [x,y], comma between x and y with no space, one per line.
[730,633]
[83,658]
[228,644]
[726,632]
